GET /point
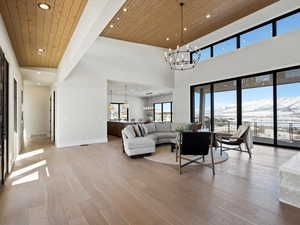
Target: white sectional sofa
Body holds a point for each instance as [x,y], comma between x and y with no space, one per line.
[142,139]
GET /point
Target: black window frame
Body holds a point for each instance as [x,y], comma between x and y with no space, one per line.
[238,35]
[162,111]
[119,110]
[239,101]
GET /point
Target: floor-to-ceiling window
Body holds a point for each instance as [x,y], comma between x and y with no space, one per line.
[225,107]
[257,107]
[269,102]
[288,108]
[202,103]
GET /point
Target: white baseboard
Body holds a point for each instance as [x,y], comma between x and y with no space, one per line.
[63,144]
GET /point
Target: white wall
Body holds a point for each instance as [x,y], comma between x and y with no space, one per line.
[14,73]
[274,53]
[36,111]
[81,114]
[136,106]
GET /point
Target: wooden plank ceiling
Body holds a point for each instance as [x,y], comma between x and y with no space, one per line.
[31,28]
[152,22]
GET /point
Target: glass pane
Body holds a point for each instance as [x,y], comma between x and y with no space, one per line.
[225,108]
[257,35]
[257,107]
[288,24]
[167,116]
[202,54]
[123,112]
[157,111]
[202,106]
[288,108]
[114,113]
[225,46]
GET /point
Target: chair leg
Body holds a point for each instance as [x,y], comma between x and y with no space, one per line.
[212,161]
[179,162]
[203,158]
[221,148]
[240,147]
[248,149]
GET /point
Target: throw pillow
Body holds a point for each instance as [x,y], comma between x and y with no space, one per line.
[149,128]
[129,132]
[137,130]
[142,130]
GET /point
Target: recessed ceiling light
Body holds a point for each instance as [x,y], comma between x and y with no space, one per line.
[168,39]
[38,72]
[185,29]
[44,6]
[208,16]
[125,9]
[118,18]
[40,51]
[111,26]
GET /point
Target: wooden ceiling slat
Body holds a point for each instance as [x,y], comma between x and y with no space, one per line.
[151,22]
[30,28]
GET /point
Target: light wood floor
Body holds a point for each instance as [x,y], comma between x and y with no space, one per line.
[98,184]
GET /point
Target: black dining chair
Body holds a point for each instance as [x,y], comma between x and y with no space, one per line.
[195,144]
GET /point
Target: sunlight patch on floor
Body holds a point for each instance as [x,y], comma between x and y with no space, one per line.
[28,168]
[30,154]
[29,178]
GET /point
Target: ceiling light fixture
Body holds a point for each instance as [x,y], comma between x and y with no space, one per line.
[111,26]
[208,16]
[43,5]
[126,105]
[125,9]
[179,59]
[41,50]
[118,18]
[185,29]
[168,39]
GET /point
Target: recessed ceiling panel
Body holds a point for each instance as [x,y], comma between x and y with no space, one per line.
[40,36]
[157,22]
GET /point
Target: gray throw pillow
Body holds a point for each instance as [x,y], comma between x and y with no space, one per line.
[137,130]
[149,128]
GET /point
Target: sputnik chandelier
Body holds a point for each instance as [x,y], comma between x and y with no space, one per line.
[179,59]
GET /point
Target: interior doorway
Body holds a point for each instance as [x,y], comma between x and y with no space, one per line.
[4,81]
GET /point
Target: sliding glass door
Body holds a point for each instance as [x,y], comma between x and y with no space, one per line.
[202,99]
[268,102]
[257,107]
[288,108]
[225,107]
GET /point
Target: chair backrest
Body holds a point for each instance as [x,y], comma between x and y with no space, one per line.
[242,131]
[195,143]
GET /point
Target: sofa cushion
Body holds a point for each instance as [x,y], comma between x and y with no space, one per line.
[161,135]
[149,128]
[152,136]
[129,132]
[140,142]
[163,126]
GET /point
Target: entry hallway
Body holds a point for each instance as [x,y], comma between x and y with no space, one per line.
[98,184]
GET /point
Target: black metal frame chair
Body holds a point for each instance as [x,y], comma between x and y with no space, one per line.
[235,140]
[195,143]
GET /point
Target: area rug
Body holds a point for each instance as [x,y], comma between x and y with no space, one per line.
[164,155]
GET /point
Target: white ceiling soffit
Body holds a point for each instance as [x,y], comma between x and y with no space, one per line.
[38,76]
[94,19]
[136,90]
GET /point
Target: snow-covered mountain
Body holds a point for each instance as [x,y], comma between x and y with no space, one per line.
[262,110]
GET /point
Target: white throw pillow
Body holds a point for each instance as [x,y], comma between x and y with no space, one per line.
[129,132]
